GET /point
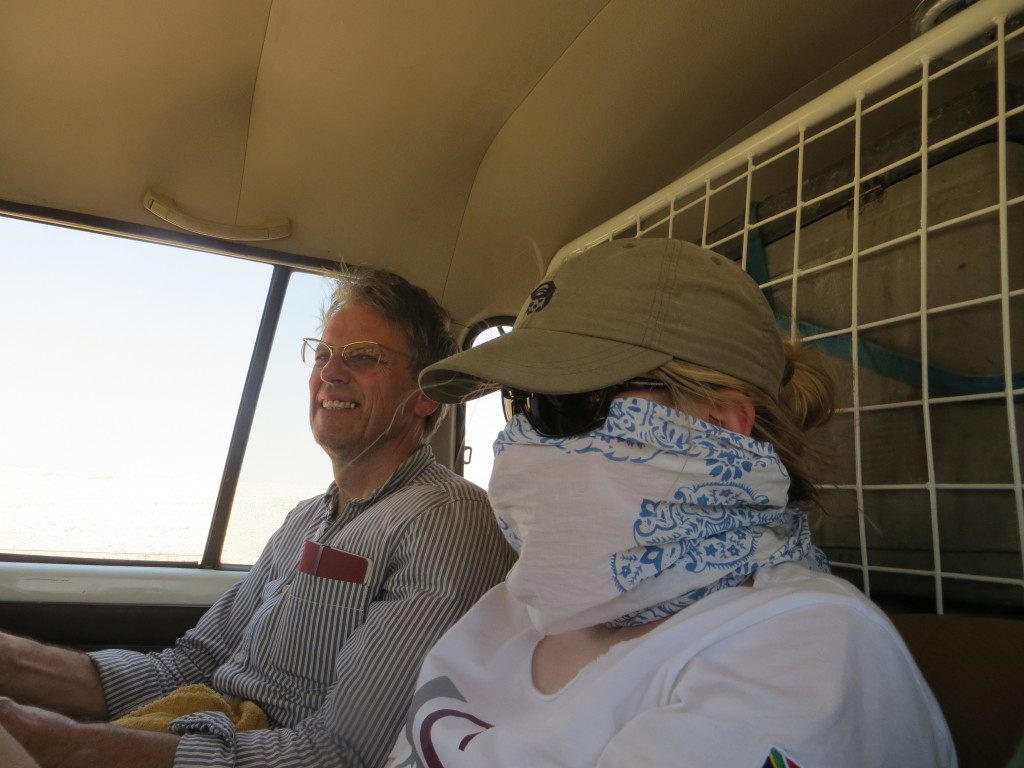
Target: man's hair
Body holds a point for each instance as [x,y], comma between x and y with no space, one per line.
[425,324]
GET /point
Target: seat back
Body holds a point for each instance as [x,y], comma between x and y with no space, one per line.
[975,667]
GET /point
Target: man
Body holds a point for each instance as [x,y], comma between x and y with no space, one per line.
[326,632]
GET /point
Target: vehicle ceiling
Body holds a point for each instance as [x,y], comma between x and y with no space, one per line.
[458,142]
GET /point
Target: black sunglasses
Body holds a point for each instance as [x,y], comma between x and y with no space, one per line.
[568,415]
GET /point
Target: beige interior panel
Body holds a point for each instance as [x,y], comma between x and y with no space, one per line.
[458,142]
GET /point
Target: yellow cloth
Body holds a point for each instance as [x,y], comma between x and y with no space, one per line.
[157,715]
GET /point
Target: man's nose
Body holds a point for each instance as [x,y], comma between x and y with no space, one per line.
[336,369]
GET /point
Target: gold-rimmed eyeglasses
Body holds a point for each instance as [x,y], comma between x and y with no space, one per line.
[357,355]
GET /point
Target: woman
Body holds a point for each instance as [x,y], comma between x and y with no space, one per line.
[668,606]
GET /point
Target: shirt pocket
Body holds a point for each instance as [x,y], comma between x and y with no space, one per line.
[314,619]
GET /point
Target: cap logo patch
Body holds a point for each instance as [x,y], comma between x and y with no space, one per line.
[540,297]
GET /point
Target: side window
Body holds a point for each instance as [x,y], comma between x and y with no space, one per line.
[124,364]
[484,420]
[283,465]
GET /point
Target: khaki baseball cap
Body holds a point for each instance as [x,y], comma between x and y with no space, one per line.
[620,310]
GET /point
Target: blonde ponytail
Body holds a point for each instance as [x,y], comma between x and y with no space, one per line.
[805,401]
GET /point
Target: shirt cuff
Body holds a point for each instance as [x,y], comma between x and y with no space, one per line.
[207,741]
[128,680]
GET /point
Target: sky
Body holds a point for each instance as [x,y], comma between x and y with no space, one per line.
[108,342]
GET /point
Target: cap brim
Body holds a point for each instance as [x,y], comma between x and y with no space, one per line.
[537,360]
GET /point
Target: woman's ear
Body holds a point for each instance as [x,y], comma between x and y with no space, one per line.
[735,412]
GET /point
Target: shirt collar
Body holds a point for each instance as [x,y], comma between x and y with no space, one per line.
[405,473]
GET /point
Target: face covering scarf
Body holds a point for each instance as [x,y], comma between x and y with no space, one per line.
[640,518]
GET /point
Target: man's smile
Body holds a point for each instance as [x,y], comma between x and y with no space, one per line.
[335,404]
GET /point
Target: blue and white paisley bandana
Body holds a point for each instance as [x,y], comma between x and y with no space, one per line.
[640,518]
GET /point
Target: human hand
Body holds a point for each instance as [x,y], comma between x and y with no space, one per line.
[12,754]
[42,734]
[56,741]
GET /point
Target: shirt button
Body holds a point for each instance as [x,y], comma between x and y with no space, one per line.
[238,658]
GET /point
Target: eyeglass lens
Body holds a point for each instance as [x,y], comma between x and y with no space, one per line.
[358,355]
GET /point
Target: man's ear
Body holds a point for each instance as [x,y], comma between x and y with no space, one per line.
[423,406]
[736,413]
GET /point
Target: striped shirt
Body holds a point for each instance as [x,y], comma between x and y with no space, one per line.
[331,662]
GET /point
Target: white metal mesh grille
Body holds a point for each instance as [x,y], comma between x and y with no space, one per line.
[885,222]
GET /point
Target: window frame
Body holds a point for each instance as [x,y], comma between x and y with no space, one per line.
[472,334]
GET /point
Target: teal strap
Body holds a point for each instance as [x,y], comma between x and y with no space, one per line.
[942,382]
